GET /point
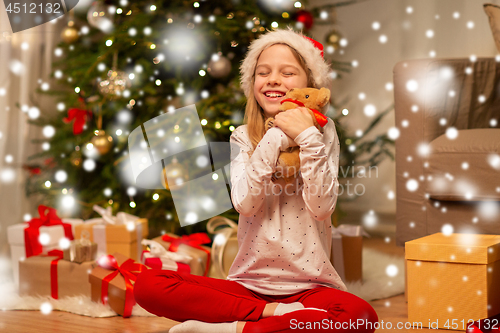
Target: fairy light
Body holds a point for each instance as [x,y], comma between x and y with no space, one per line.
[48,131]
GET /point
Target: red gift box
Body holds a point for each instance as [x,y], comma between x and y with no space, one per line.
[112,282]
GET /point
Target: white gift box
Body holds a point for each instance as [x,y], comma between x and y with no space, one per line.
[52,234]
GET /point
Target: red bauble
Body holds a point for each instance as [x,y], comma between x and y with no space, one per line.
[305,17]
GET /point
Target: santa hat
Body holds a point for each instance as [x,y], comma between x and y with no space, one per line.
[308,48]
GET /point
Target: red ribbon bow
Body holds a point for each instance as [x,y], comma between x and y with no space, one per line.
[194,240]
[54,289]
[80,117]
[129,270]
[48,217]
[320,118]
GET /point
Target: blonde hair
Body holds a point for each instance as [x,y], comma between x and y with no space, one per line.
[254,115]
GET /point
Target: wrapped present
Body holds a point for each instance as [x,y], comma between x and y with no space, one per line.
[39,235]
[159,258]
[225,245]
[47,275]
[452,280]
[190,245]
[347,249]
[122,233]
[81,250]
[112,282]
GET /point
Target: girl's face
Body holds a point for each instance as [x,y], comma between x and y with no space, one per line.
[277,71]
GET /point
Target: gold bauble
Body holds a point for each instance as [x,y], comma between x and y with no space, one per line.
[69,35]
[174,173]
[102,142]
[219,66]
[116,83]
[76,158]
[333,39]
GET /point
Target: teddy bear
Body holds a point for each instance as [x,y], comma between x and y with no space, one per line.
[288,164]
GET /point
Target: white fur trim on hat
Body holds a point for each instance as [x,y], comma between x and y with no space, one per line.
[312,56]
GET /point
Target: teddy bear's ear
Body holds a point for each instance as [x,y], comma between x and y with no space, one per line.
[323,97]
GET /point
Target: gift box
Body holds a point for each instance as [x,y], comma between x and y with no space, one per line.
[347,249]
[164,263]
[190,245]
[122,233]
[225,245]
[24,238]
[47,275]
[81,250]
[452,279]
[157,257]
[112,282]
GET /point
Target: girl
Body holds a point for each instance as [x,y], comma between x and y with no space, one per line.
[281,279]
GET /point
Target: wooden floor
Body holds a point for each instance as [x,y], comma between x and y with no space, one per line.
[393,310]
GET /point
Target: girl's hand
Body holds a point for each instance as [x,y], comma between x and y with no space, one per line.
[294,121]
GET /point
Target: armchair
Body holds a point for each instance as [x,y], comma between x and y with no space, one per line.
[448,151]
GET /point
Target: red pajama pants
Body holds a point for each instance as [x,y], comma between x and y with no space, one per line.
[184,297]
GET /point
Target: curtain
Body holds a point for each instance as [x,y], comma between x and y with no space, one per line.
[25,63]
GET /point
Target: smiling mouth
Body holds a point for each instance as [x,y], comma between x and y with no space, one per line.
[274,94]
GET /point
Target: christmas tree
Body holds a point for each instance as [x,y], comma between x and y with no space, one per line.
[124,63]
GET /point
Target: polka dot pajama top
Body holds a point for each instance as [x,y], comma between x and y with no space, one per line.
[284,230]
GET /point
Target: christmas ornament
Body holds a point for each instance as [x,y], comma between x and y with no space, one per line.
[101,16]
[49,163]
[79,116]
[305,18]
[76,158]
[102,142]
[69,33]
[219,66]
[333,39]
[174,173]
[115,84]
[32,169]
